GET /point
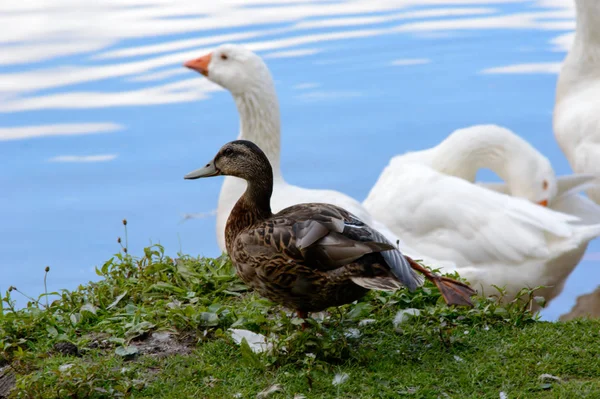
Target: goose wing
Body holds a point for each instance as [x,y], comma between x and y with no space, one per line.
[450,218]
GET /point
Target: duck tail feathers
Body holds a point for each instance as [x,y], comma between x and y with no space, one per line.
[453,291]
[401,268]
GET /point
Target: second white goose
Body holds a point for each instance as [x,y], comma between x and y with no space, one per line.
[429,199]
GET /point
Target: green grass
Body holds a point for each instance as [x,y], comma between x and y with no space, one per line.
[440,353]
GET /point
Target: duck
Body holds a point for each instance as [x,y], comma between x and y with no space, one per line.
[515,241]
[576,115]
[246,76]
[309,257]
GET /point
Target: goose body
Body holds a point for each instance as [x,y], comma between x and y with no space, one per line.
[577,107]
[309,256]
[429,199]
[570,202]
[245,75]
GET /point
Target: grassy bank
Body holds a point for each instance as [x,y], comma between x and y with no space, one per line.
[156,327]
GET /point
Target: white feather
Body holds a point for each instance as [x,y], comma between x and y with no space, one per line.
[257,342]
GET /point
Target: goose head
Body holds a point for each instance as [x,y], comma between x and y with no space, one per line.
[245,75]
[531,177]
[239,158]
[234,68]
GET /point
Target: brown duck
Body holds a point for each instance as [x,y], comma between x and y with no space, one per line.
[309,257]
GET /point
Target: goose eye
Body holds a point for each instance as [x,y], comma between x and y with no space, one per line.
[224,56]
[545,184]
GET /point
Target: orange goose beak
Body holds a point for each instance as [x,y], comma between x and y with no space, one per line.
[199,64]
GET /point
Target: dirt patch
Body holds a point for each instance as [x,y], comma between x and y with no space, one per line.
[66,349]
[7,381]
[99,341]
[158,343]
[164,343]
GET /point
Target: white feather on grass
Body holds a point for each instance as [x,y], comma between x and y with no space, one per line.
[257,342]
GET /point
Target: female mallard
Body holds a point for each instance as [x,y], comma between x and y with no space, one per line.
[309,257]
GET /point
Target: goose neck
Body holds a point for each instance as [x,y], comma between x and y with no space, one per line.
[588,22]
[260,122]
[581,65]
[584,55]
[465,152]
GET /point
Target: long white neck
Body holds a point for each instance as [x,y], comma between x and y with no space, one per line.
[588,22]
[466,151]
[260,121]
[583,61]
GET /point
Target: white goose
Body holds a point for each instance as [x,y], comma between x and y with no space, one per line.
[577,107]
[567,200]
[429,199]
[249,80]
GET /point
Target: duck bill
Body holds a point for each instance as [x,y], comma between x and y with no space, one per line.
[207,171]
[543,203]
[199,64]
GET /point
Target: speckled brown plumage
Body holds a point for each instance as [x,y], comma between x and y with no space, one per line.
[309,257]
[268,258]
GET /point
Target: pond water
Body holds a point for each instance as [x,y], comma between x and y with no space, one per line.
[99,121]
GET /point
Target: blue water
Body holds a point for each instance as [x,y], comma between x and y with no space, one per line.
[345,111]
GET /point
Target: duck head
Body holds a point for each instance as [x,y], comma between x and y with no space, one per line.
[239,158]
[232,67]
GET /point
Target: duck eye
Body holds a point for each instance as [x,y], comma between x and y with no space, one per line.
[224,56]
[545,184]
[227,152]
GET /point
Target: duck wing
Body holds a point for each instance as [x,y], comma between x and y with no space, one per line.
[334,237]
[324,237]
